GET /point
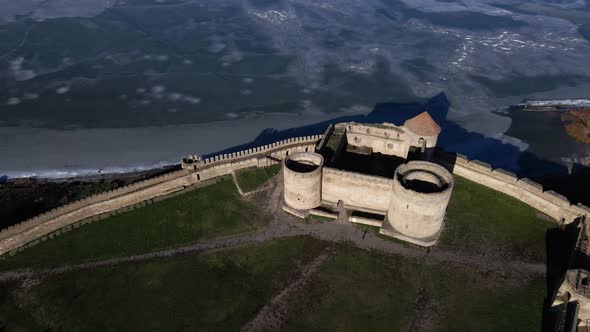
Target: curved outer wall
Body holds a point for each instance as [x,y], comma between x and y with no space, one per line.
[414,216]
[303,191]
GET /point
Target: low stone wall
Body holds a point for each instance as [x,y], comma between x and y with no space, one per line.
[51,214]
[548,202]
[99,217]
[49,222]
[25,232]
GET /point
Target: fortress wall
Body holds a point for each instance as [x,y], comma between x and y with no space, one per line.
[417,216]
[324,140]
[525,190]
[509,177]
[90,200]
[26,232]
[302,188]
[388,146]
[414,140]
[357,191]
[377,131]
[110,201]
[276,148]
[257,157]
[386,140]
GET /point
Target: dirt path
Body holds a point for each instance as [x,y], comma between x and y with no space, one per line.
[262,235]
[284,225]
[424,313]
[235,179]
[272,316]
[334,232]
[263,187]
[338,232]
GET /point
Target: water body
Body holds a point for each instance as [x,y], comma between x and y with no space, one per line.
[547,140]
[89,87]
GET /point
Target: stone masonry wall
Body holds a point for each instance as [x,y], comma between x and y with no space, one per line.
[340,185]
[256,157]
[49,222]
[549,202]
[358,191]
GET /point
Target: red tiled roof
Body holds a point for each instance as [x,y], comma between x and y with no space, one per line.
[423,125]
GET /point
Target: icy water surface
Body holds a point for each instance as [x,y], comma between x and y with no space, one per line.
[93,85]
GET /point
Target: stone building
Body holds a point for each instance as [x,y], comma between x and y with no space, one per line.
[573,294]
[374,174]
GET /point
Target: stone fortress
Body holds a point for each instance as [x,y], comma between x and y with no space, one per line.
[374,174]
[574,290]
[382,175]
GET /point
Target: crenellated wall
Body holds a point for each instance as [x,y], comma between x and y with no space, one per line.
[49,222]
[51,214]
[523,189]
[255,157]
[389,140]
[336,185]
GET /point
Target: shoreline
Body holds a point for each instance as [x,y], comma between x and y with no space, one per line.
[47,153]
[23,198]
[102,176]
[96,177]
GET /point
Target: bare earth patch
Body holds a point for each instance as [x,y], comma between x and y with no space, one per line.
[272,316]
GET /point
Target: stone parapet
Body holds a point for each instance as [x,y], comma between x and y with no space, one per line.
[39,226]
[528,191]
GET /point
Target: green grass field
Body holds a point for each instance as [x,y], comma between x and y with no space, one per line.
[361,290]
[251,178]
[201,214]
[215,291]
[221,290]
[480,219]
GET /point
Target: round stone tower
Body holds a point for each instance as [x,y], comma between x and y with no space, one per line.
[302,176]
[421,193]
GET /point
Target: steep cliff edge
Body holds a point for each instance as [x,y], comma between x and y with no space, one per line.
[577,124]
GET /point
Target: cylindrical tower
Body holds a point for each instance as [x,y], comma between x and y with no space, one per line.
[421,193]
[302,176]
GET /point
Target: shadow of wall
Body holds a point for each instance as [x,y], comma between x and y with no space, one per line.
[560,243]
[574,186]
[560,246]
[453,137]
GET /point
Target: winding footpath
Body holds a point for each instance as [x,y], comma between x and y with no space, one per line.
[334,232]
[272,316]
[283,226]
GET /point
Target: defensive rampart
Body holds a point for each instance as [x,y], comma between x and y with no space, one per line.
[51,221]
[421,193]
[357,191]
[302,178]
[261,156]
[350,187]
[548,202]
